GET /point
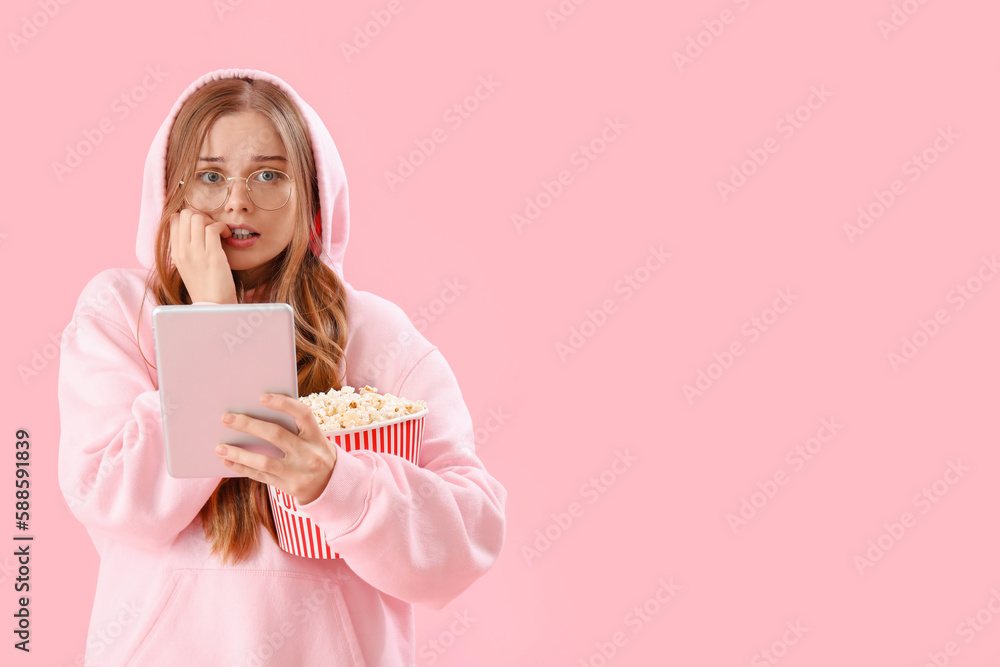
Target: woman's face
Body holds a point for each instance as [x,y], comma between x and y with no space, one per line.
[239,144]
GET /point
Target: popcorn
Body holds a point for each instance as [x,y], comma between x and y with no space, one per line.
[344,409]
[380,424]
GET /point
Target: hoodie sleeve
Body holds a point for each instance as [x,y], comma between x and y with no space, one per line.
[421,534]
[112,462]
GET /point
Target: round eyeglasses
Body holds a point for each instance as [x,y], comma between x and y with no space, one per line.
[268,189]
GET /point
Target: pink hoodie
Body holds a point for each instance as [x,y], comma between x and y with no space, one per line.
[407,534]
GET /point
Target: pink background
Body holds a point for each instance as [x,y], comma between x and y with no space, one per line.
[564,420]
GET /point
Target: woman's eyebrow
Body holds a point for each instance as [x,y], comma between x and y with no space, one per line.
[255,158]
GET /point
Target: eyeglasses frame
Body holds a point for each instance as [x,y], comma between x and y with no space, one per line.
[246,183]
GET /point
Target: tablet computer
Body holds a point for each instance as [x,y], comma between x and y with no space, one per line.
[216,358]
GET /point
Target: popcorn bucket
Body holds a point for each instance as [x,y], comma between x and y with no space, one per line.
[297,534]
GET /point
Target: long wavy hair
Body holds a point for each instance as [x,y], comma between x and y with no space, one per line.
[239,505]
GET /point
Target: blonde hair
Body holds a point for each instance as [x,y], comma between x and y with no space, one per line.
[297,276]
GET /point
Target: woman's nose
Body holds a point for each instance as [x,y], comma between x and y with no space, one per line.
[239,200]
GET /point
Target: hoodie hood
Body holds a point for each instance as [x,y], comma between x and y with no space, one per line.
[334,213]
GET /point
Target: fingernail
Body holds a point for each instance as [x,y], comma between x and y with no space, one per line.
[265,398]
[227,418]
[221,449]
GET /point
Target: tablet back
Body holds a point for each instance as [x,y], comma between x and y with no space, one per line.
[218,358]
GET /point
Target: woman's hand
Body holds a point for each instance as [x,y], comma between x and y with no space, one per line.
[309,456]
[196,250]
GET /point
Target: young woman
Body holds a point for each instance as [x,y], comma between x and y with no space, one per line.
[191,572]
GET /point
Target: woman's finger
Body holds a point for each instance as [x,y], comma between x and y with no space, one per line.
[309,456]
[198,235]
[304,419]
[260,467]
[213,236]
[174,237]
[221,228]
[184,228]
[276,434]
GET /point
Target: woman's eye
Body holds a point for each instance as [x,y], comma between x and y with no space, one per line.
[210,177]
[269,176]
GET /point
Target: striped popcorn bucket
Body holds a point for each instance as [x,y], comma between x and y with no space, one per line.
[297,534]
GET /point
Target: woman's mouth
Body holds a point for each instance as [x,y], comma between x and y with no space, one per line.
[241,238]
